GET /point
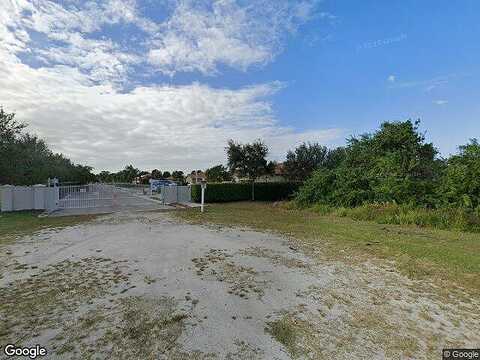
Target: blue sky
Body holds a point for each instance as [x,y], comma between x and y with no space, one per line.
[342,79]
[164,84]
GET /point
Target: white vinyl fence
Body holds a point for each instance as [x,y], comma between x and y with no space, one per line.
[37,197]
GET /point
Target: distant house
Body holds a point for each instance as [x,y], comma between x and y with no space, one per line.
[195,177]
[142,179]
[278,175]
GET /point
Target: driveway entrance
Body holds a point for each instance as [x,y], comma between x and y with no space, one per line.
[105,198]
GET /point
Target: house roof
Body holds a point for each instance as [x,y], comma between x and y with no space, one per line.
[280,169]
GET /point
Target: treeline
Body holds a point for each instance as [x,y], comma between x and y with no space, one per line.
[131,174]
[393,165]
[25,159]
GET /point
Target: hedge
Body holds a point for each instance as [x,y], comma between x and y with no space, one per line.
[227,192]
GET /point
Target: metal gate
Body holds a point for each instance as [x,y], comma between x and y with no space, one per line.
[85,196]
[117,196]
[131,196]
[175,194]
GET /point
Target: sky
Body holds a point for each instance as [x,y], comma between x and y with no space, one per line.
[165,83]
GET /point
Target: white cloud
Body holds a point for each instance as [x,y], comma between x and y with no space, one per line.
[65,30]
[159,126]
[391,78]
[101,59]
[427,85]
[440,102]
[72,98]
[85,16]
[198,37]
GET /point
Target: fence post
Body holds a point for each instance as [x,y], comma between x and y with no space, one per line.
[204,186]
[52,196]
[7,198]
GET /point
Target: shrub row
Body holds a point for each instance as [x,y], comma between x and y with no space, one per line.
[227,192]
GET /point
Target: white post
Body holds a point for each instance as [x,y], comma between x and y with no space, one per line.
[204,186]
[51,198]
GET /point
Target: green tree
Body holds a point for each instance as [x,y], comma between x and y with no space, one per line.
[248,160]
[10,129]
[178,177]
[460,183]
[104,176]
[304,160]
[128,174]
[156,174]
[218,173]
[334,158]
[25,159]
[166,174]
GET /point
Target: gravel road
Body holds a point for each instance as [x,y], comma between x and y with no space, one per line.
[146,286]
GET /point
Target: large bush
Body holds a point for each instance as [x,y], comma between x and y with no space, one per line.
[243,191]
[394,164]
[461,180]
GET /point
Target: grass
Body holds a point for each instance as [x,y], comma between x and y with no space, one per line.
[286,333]
[388,213]
[441,256]
[19,223]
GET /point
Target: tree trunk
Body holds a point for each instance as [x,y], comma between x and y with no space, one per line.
[253,190]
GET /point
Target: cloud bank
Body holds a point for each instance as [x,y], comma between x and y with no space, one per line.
[65,75]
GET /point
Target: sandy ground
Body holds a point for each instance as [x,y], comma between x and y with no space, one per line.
[145,286]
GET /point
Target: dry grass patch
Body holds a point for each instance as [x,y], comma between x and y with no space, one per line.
[45,298]
[130,328]
[242,281]
[275,257]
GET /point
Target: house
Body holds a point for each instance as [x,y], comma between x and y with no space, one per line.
[278,175]
[195,177]
[142,179]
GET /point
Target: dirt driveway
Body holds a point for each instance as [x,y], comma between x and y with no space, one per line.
[145,286]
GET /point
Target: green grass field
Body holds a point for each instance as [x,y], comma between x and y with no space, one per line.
[444,257]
